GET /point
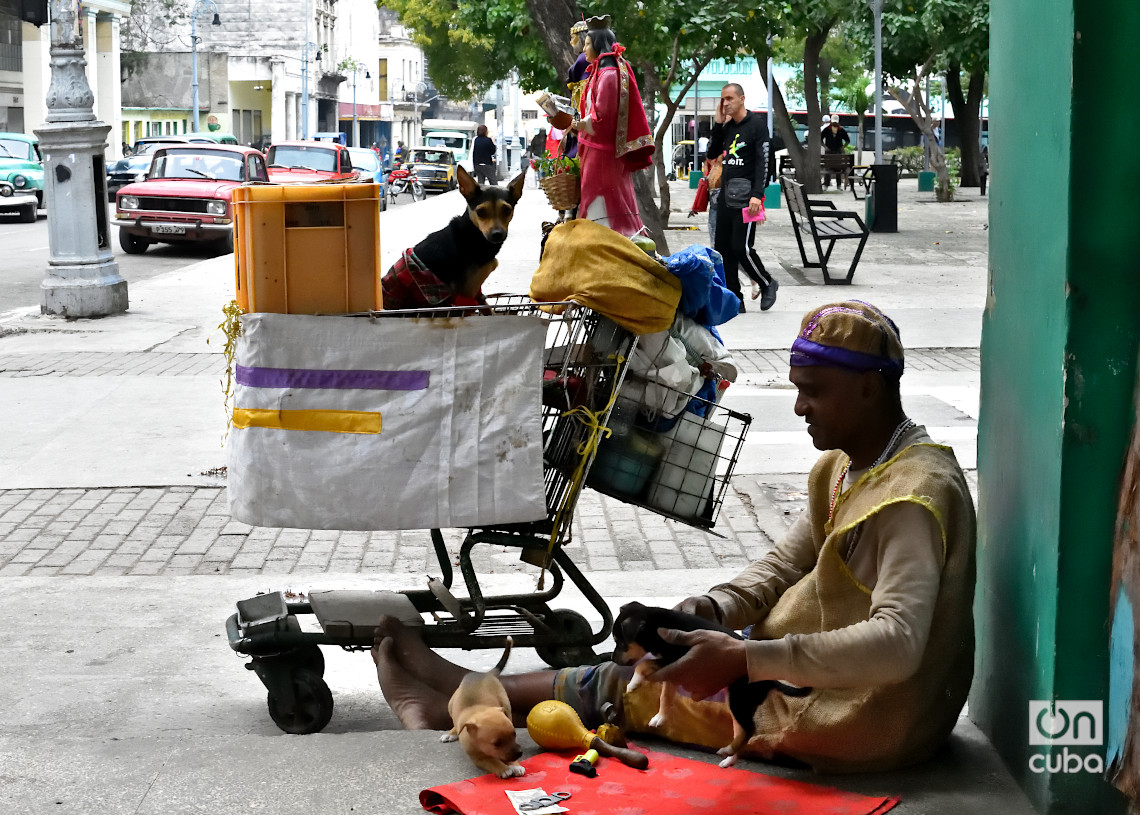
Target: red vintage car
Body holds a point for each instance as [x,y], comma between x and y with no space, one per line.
[187,196]
[310,162]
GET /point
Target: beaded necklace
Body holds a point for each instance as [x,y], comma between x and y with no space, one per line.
[904,425]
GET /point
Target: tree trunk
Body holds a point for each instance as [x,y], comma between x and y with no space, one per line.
[552,21]
[918,108]
[813,44]
[967,112]
[650,214]
[783,122]
[654,215]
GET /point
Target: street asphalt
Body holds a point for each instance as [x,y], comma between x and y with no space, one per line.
[120,561]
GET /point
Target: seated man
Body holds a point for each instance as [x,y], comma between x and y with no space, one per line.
[867,599]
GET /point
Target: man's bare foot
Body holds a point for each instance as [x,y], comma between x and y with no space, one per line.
[418,706]
[417,659]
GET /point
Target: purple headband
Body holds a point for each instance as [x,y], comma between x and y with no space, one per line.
[807,352]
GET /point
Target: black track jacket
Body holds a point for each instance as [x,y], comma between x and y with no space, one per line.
[746,143]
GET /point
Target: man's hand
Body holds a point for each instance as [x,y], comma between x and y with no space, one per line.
[719,117]
[755,205]
[701,605]
[715,660]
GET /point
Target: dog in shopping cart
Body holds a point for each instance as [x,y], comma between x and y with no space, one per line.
[638,643]
[481,721]
[449,266]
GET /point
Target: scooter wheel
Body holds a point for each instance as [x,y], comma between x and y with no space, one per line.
[312,708]
[573,627]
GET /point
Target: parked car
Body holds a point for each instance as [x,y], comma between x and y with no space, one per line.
[187,196]
[132,168]
[213,137]
[21,201]
[310,162]
[368,163]
[435,167]
[22,165]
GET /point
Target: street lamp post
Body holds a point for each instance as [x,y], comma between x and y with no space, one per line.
[877,11]
[199,7]
[305,86]
[356,66]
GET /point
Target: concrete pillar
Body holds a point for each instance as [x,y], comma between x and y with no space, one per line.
[37,72]
[82,278]
[277,101]
[290,115]
[1060,339]
[109,95]
[90,54]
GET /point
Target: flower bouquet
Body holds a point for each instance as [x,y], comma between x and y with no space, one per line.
[561,180]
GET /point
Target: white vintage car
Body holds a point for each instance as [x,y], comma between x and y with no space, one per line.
[21,201]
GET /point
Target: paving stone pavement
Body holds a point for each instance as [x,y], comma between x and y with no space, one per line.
[185,530]
[157,363]
[188,531]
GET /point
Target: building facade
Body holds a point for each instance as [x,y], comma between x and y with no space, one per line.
[25,71]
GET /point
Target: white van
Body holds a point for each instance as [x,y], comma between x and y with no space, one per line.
[457,134]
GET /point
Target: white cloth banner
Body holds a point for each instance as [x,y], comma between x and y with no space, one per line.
[439,422]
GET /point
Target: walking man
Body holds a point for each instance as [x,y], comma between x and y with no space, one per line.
[743,138]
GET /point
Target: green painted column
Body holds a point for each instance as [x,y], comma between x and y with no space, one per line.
[1059,347]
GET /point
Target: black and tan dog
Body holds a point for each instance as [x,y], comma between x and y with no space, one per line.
[638,643]
[448,267]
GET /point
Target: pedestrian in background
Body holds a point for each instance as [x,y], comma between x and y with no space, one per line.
[835,141]
[742,137]
[483,157]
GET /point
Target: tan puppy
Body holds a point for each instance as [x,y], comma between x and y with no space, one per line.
[481,713]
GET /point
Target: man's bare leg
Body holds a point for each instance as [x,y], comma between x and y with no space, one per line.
[420,669]
[417,659]
[418,706]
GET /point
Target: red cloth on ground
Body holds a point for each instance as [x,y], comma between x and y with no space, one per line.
[671,786]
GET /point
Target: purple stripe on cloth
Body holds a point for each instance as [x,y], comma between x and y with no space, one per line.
[806,352]
[336,380]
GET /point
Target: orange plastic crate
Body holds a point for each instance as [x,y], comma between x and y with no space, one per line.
[308,248]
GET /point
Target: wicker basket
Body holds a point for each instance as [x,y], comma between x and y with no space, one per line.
[564,191]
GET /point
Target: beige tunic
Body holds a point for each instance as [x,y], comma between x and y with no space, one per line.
[883,629]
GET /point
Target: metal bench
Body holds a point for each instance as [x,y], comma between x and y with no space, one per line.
[825,224]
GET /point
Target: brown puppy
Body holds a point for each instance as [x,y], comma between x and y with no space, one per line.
[481,713]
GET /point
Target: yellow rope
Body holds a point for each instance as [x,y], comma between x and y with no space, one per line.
[593,421]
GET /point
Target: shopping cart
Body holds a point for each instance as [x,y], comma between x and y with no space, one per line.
[585,361]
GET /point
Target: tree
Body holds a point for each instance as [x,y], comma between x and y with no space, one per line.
[152,24]
[471,45]
[923,37]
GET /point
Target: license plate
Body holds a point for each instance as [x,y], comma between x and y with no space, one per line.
[168,229]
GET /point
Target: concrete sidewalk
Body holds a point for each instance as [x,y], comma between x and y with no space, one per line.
[121,561]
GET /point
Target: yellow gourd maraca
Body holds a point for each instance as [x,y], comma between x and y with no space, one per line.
[556,726]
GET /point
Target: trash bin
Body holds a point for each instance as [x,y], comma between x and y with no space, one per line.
[926,181]
[772,196]
[883,199]
[695,178]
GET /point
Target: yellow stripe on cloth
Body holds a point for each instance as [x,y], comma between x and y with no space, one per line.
[320,421]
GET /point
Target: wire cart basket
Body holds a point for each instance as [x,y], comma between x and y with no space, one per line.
[585,362]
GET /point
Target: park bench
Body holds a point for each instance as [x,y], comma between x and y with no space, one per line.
[841,164]
[824,224]
[855,177]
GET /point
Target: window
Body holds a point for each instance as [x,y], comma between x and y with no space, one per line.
[11,43]
[530,114]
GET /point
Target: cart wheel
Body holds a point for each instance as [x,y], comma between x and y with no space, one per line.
[313,708]
[309,658]
[574,627]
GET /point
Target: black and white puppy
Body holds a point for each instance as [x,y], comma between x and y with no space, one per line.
[637,642]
